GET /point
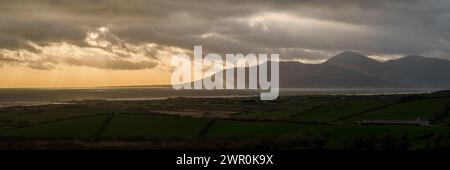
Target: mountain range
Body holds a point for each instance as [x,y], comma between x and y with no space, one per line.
[350,69]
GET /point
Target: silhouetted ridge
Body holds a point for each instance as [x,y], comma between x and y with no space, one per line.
[350,69]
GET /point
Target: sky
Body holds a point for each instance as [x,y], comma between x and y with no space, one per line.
[86,43]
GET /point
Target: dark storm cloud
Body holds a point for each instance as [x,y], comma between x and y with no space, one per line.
[18,32]
[297,29]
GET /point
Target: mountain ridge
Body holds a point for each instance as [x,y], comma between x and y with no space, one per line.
[350,69]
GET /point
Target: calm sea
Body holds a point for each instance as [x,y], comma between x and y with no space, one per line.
[12,97]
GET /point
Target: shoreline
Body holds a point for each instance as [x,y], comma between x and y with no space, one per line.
[203,94]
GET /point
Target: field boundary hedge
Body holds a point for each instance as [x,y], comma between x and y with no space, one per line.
[57,120]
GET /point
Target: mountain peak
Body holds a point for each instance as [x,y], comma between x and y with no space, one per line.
[355,62]
[350,53]
[350,57]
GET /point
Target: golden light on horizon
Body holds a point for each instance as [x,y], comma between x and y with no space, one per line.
[22,77]
[105,61]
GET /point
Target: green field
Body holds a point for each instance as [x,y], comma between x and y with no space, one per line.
[339,134]
[51,113]
[154,126]
[85,127]
[332,112]
[229,128]
[424,109]
[274,115]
